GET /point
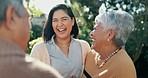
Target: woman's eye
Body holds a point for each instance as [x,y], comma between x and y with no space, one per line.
[54,20]
[64,19]
[94,28]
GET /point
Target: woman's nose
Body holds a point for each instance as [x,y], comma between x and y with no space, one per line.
[60,23]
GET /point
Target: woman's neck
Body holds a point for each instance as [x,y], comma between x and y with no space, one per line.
[62,42]
[105,52]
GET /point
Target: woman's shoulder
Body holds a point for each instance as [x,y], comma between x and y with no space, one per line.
[79,40]
[39,50]
[39,43]
[38,46]
[82,41]
[93,53]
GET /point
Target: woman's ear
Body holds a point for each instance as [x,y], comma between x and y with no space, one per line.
[111,34]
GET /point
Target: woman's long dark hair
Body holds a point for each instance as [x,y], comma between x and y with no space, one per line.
[48,31]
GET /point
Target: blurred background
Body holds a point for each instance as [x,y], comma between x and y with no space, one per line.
[85,12]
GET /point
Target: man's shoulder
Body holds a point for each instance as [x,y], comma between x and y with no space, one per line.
[38,68]
[26,67]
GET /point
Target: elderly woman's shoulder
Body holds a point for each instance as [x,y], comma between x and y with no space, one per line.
[92,53]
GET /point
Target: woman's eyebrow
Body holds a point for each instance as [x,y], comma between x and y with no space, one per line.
[62,17]
[65,17]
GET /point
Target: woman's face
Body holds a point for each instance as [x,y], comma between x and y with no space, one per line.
[99,37]
[62,24]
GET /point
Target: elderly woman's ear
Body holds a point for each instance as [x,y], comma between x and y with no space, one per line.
[111,34]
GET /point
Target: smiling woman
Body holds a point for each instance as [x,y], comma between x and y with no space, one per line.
[59,36]
[110,59]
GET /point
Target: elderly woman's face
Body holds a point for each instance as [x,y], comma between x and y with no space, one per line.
[98,35]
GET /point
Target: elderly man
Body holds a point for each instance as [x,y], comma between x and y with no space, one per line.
[14,36]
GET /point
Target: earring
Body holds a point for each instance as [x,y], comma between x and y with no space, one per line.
[108,40]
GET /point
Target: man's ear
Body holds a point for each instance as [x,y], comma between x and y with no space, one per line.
[9,21]
[111,34]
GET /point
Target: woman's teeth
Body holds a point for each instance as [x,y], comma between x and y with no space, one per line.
[60,30]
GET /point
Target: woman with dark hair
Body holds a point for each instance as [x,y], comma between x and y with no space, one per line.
[60,48]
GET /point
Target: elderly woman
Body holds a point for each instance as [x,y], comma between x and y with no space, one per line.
[109,58]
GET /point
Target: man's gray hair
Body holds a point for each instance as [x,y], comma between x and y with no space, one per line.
[17,4]
[121,21]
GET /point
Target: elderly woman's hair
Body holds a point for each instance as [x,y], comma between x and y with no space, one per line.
[121,21]
[17,5]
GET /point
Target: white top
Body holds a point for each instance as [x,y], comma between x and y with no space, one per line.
[66,66]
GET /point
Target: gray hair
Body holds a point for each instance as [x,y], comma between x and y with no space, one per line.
[121,21]
[17,4]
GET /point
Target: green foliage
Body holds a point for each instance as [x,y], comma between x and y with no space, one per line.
[35,12]
[35,36]
[83,15]
[36,32]
[32,43]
